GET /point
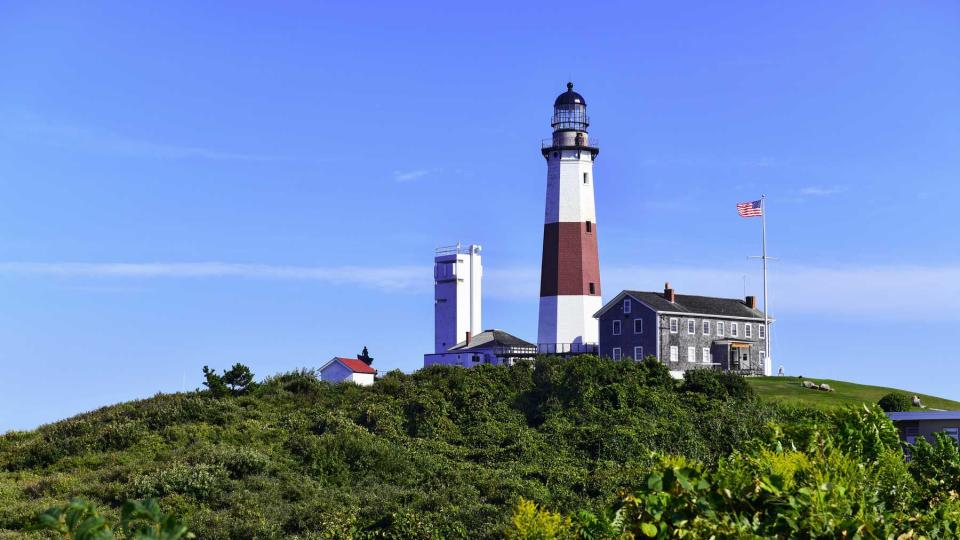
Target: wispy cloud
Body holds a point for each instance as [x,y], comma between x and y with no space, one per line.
[36,129]
[407,176]
[820,191]
[914,293]
[393,278]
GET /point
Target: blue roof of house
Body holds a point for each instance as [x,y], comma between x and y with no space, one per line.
[924,415]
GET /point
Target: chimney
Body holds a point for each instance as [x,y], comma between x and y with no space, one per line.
[668,293]
[751,302]
[468,338]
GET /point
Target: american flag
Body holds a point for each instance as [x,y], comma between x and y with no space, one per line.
[750,209]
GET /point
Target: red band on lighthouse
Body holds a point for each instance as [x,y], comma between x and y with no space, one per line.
[570,262]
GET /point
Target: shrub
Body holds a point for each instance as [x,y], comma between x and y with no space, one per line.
[717,384]
[201,481]
[139,520]
[895,402]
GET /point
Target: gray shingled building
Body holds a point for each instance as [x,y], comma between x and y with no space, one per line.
[685,331]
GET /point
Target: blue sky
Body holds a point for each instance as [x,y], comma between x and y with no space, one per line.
[189,183]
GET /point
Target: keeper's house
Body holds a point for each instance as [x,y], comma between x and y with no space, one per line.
[684,331]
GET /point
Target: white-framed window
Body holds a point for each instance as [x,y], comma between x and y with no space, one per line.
[734,331]
[616,353]
[691,326]
[747,330]
[674,353]
[719,328]
[706,328]
[638,326]
[674,325]
[706,355]
[691,354]
[626,306]
[617,325]
[762,331]
[953,433]
[763,357]
[638,353]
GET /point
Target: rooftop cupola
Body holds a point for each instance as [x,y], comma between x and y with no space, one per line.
[570,111]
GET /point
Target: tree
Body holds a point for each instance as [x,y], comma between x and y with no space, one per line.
[895,402]
[214,382]
[238,380]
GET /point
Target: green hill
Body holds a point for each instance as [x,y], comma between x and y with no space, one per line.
[447,451]
[789,390]
[450,453]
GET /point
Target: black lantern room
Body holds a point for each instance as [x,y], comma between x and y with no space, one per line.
[570,111]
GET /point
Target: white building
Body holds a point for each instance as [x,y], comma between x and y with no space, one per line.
[347,370]
[494,347]
[457,274]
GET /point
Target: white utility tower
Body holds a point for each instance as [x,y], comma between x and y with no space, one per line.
[457,274]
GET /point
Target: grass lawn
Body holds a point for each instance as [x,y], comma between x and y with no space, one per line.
[788,389]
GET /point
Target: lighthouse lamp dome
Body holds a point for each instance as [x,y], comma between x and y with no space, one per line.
[570,111]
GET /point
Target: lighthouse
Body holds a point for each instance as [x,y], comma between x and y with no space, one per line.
[570,269]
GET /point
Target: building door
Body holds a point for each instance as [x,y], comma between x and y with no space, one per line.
[739,356]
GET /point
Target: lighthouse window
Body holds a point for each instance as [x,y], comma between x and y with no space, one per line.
[586,178]
[589,227]
[593,289]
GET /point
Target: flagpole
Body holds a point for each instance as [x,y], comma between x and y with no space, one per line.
[768,367]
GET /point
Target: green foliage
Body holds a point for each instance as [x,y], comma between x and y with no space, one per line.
[717,384]
[936,467]
[530,522]
[895,402]
[236,381]
[139,520]
[447,452]
[848,480]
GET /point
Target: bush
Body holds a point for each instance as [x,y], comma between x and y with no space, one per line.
[717,384]
[139,520]
[895,402]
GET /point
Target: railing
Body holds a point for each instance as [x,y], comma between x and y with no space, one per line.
[506,351]
[568,348]
[593,142]
[456,249]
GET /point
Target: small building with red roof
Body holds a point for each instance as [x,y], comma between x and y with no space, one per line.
[348,370]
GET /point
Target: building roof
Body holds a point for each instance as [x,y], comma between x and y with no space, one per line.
[353,364]
[688,303]
[924,415]
[570,97]
[491,338]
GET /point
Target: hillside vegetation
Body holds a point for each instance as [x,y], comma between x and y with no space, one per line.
[576,448]
[789,390]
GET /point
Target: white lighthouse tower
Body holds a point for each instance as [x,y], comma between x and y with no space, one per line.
[570,270]
[457,273]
